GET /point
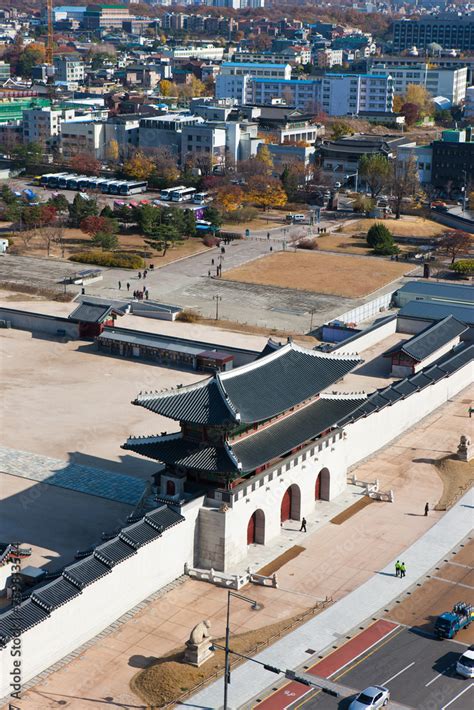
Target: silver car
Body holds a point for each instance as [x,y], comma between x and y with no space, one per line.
[376,696]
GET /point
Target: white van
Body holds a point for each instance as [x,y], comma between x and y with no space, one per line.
[295,218]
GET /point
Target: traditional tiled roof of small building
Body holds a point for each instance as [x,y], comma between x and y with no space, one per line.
[254,392]
[429,340]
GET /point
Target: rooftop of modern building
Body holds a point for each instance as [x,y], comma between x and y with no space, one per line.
[459,293]
[255,65]
[427,310]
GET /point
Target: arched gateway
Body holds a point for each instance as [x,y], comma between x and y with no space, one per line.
[322,485]
[291,504]
[256,528]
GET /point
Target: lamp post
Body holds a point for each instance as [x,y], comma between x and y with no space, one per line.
[356,175]
[256,607]
[217,299]
[464,197]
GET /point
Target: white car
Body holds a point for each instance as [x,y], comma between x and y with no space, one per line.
[376,696]
[465,664]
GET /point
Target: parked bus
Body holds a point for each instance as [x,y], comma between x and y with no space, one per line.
[51,179]
[166,193]
[200,198]
[132,188]
[183,194]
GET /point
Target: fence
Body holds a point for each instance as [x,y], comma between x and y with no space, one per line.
[367,310]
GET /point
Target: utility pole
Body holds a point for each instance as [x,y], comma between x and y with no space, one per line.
[464,197]
[217,299]
[256,607]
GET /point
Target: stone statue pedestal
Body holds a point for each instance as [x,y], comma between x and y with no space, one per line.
[465,449]
[198,653]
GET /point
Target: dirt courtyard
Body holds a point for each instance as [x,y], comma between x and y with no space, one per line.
[320,273]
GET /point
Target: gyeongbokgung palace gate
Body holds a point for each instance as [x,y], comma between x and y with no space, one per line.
[265,442]
[245,427]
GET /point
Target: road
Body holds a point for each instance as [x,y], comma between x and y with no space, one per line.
[418,669]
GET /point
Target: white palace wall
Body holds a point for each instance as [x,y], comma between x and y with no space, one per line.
[153,566]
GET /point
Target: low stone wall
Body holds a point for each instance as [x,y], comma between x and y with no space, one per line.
[54,326]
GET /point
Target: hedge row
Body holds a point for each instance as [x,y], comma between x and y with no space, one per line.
[107,258]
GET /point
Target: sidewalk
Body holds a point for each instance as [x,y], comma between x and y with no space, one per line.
[349,612]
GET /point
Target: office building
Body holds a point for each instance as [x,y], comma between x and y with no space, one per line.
[451,31]
[450,83]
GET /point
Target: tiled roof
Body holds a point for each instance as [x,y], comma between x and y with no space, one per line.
[88,312]
[249,453]
[430,340]
[444,366]
[260,390]
[76,577]
[176,451]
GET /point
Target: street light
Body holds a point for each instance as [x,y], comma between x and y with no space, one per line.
[290,674]
[356,175]
[253,605]
[217,299]
[464,197]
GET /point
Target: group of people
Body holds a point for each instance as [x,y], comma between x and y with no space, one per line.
[143,293]
[140,295]
[400,569]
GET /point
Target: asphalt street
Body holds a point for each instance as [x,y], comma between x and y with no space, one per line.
[418,670]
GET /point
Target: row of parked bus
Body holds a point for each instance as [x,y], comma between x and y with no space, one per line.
[184,194]
[68,181]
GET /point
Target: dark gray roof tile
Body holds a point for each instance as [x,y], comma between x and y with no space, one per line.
[430,340]
[55,594]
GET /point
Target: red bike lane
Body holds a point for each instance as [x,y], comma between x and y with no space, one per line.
[328,666]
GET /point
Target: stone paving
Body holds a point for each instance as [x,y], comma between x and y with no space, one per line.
[84,479]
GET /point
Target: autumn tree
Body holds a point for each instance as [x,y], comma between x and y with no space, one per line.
[419,95]
[80,208]
[374,169]
[266,192]
[455,243]
[264,156]
[37,216]
[139,167]
[95,224]
[340,129]
[113,151]
[165,164]
[229,198]
[168,88]
[411,112]
[85,164]
[404,181]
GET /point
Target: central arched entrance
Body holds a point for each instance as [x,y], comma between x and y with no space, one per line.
[322,485]
[256,528]
[170,488]
[291,504]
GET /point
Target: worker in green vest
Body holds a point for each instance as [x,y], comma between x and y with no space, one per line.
[403,569]
[397,569]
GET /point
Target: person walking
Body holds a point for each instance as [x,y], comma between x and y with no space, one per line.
[120,285]
[427,508]
[397,569]
[303,525]
[139,274]
[128,286]
[403,569]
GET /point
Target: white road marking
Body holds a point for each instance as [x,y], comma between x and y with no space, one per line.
[448,668]
[457,696]
[433,679]
[399,673]
[450,581]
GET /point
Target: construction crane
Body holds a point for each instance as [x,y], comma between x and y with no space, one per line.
[49,43]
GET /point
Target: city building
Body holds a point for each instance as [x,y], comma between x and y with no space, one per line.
[165,131]
[290,55]
[100,17]
[205,143]
[43,125]
[423,154]
[450,82]
[4,72]
[451,31]
[442,62]
[208,52]
[327,58]
[255,69]
[453,160]
[69,70]
[469,103]
[79,136]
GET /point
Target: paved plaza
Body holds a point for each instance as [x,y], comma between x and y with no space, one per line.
[337,560]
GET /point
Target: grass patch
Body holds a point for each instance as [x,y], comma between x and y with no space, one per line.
[352,510]
[319,273]
[168,679]
[110,258]
[457,477]
[281,560]
[404,227]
